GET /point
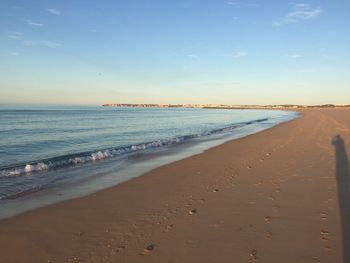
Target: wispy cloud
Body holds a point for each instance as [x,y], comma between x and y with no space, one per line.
[30,22]
[295,56]
[238,54]
[303,12]
[43,43]
[50,43]
[232,3]
[14,35]
[298,13]
[54,11]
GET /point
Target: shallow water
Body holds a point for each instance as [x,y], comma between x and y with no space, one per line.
[91,148]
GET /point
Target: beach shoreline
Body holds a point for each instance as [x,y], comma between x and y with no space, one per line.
[115,168]
[270,196]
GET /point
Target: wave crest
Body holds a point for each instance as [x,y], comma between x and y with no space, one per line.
[88,157]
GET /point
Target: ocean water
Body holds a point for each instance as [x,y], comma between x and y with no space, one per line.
[47,147]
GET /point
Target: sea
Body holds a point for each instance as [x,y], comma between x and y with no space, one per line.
[53,153]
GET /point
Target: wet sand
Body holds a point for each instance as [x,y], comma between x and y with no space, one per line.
[282,195]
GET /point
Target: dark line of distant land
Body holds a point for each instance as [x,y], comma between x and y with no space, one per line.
[223,106]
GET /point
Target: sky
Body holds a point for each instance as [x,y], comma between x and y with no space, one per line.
[184,51]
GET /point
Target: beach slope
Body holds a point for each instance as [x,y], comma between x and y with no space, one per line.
[281,195]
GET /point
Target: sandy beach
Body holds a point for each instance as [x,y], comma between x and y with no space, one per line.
[281,195]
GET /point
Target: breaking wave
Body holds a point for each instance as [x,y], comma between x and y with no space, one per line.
[98,155]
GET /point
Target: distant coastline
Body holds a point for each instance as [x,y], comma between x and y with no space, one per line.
[223,106]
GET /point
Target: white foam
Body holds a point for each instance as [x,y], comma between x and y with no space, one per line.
[106,154]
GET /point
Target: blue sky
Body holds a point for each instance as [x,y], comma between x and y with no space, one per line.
[158,51]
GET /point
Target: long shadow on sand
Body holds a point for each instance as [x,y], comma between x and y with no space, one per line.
[343,184]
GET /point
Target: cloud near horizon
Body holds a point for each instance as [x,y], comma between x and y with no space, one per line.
[43,43]
[295,56]
[238,54]
[12,53]
[193,56]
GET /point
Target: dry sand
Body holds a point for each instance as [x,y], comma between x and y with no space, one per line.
[281,195]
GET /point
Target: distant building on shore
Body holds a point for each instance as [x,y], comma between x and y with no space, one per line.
[222,106]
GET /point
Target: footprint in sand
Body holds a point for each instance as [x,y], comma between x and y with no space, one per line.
[324,235]
[118,249]
[253,255]
[193,211]
[258,183]
[149,249]
[274,183]
[168,227]
[271,197]
[267,219]
[80,233]
[72,259]
[327,248]
[268,235]
[328,201]
[323,215]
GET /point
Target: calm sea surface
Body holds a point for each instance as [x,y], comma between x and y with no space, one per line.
[43,146]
